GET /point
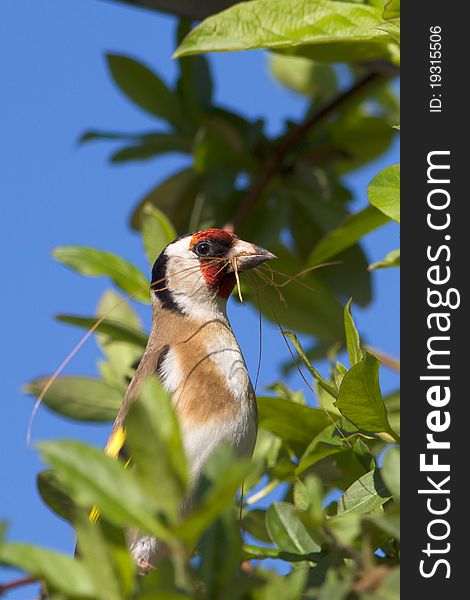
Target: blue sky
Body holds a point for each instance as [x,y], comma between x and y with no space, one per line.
[54,86]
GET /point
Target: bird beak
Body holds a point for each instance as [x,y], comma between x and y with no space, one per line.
[248,256]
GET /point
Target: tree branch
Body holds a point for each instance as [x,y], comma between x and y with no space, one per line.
[16,583]
[274,163]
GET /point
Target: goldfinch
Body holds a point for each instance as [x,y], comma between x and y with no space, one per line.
[195,355]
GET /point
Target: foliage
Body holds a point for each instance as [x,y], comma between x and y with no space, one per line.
[335,465]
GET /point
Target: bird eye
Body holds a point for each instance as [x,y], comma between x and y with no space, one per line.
[202,249]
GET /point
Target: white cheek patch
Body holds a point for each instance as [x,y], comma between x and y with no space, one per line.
[170,371]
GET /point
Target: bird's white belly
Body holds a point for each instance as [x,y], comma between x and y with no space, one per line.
[201,441]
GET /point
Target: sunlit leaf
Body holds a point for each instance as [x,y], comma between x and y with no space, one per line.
[96,263]
[384,192]
[157,231]
[364,495]
[79,398]
[95,479]
[352,337]
[287,24]
[116,330]
[391,260]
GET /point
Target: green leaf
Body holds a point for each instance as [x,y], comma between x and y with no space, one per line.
[287,531]
[391,10]
[352,337]
[360,137]
[346,527]
[254,522]
[384,192]
[308,497]
[79,398]
[286,25]
[219,144]
[154,145]
[143,87]
[153,431]
[366,494]
[391,471]
[55,495]
[116,330]
[309,78]
[391,260]
[157,232]
[61,572]
[333,439]
[295,424]
[352,229]
[360,399]
[103,550]
[330,388]
[94,479]
[222,477]
[194,84]
[95,263]
[168,195]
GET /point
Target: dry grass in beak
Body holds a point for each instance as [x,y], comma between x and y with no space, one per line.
[234,264]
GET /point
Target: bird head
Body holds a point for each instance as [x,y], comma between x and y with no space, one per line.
[199,269]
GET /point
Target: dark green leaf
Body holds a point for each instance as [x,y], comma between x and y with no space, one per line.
[295,424]
[167,196]
[162,143]
[348,233]
[194,84]
[143,87]
[360,399]
[55,495]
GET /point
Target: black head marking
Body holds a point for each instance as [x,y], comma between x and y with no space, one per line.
[161,358]
[160,285]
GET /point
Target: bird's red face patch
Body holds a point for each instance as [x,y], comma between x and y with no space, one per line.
[210,246]
[213,234]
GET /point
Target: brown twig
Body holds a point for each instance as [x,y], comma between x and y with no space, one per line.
[16,583]
[274,163]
